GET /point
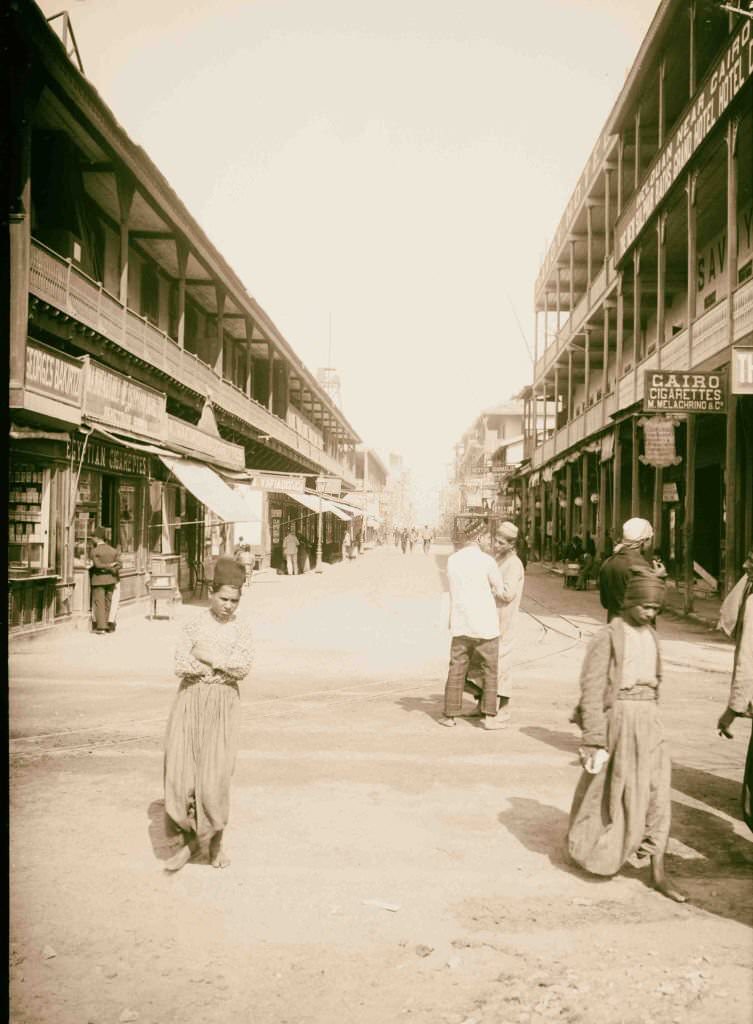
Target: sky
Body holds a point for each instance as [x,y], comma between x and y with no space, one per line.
[383,175]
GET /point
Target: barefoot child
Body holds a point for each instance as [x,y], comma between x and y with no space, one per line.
[213,655]
[621,808]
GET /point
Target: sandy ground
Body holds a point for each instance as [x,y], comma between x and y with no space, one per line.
[383,869]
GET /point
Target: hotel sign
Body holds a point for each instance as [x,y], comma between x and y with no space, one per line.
[712,99]
[123,403]
[742,371]
[53,374]
[684,392]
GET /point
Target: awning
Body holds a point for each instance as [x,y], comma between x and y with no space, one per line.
[315,503]
[208,488]
[353,511]
[136,445]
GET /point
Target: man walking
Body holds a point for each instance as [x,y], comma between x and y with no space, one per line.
[632,553]
[104,576]
[427,535]
[473,579]
[290,551]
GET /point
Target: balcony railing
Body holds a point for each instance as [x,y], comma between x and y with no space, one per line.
[55,280]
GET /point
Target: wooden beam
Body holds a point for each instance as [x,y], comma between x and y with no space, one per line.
[162,236]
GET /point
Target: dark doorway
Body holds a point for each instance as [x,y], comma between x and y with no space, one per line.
[708,518]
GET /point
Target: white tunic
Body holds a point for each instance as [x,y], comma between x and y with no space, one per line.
[474,579]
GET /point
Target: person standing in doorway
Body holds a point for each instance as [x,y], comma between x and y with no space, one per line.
[104,576]
[474,579]
[290,551]
[508,604]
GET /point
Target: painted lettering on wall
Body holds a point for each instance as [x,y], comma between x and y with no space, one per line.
[121,402]
[666,391]
[53,373]
[728,77]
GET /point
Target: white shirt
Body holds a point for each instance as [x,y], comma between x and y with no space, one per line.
[639,665]
[508,599]
[474,578]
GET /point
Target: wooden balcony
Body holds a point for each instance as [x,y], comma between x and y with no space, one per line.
[56,281]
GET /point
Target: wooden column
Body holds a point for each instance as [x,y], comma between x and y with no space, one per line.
[589,246]
[607,212]
[661,277]
[572,280]
[689,524]
[556,393]
[661,101]
[559,295]
[126,189]
[587,369]
[617,486]
[271,387]
[637,151]
[219,358]
[568,502]
[585,497]
[620,171]
[546,320]
[555,516]
[605,367]
[601,511]
[569,384]
[19,251]
[637,344]
[731,560]
[690,188]
[691,49]
[249,382]
[620,333]
[542,491]
[181,252]
[635,497]
[535,339]
[658,506]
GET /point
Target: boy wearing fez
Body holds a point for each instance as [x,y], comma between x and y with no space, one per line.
[621,808]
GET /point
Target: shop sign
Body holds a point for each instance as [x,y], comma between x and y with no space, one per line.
[121,402]
[196,442]
[328,485]
[669,492]
[278,482]
[53,373]
[108,458]
[742,371]
[659,441]
[712,99]
[668,391]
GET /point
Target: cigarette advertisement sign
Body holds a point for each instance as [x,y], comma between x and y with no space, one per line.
[685,392]
[742,371]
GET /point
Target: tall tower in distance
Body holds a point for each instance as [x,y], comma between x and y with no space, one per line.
[330,381]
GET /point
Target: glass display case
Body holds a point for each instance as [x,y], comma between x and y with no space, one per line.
[28,511]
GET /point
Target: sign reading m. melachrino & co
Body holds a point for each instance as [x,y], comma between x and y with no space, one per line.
[670,391]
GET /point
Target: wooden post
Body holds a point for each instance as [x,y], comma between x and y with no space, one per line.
[542,491]
[617,486]
[181,251]
[607,212]
[661,101]
[620,333]
[635,497]
[637,346]
[601,509]
[584,497]
[691,49]
[587,370]
[559,295]
[620,171]
[589,247]
[658,508]
[556,394]
[219,359]
[637,150]
[731,559]
[689,525]
[572,279]
[126,190]
[690,188]
[605,367]
[19,252]
[568,502]
[555,516]
[271,389]
[661,276]
[249,383]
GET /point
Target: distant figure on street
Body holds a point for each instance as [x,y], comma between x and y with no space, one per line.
[105,573]
[474,579]
[633,552]
[290,551]
[246,559]
[396,537]
[404,538]
[412,537]
[574,550]
[508,604]
[621,809]
[201,742]
[427,535]
[347,543]
[587,562]
[736,619]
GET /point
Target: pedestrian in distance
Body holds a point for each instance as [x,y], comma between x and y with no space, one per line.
[634,552]
[508,604]
[736,620]
[474,579]
[105,574]
[412,537]
[212,656]
[404,537]
[427,535]
[290,551]
[621,809]
[245,558]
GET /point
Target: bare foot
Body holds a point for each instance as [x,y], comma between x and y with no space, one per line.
[662,884]
[179,859]
[217,857]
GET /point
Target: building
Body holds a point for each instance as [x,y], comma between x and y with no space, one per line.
[644,311]
[149,394]
[486,456]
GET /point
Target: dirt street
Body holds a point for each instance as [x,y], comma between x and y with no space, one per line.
[384,869]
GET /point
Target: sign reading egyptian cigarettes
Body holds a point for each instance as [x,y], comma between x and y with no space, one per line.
[669,391]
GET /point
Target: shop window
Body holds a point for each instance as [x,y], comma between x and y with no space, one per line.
[155,516]
[127,515]
[87,511]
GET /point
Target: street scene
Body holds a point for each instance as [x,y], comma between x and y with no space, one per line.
[380,511]
[382,868]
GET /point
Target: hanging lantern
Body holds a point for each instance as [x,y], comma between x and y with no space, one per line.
[578,501]
[594,498]
[563,502]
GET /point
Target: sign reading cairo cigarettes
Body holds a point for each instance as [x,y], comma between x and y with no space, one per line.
[669,391]
[717,92]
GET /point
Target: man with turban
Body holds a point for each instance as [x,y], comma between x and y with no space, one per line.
[508,603]
[622,807]
[633,552]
